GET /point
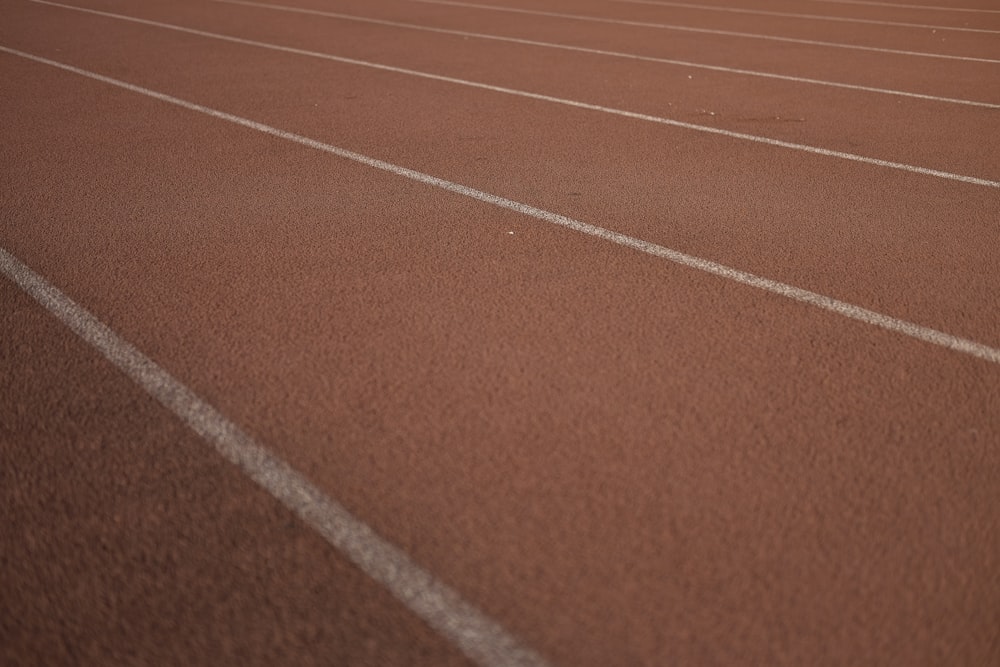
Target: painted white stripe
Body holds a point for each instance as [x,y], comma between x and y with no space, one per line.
[479,637]
[581,49]
[926,334]
[706,31]
[925,171]
[811,17]
[895,5]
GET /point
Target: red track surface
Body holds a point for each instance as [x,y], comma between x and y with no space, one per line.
[619,459]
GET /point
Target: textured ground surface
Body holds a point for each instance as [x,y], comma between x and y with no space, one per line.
[619,459]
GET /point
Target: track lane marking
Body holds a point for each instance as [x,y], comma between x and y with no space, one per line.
[815,150]
[705,31]
[871,3]
[811,17]
[477,636]
[582,49]
[933,336]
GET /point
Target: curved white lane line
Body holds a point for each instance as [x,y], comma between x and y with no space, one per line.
[848,310]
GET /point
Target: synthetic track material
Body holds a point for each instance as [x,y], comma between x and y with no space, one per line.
[618,458]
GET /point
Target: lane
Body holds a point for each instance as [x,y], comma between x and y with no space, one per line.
[916,43]
[645,464]
[942,79]
[878,143]
[850,311]
[352,18]
[875,11]
[126,540]
[815,224]
[966,80]
[854,20]
[980,6]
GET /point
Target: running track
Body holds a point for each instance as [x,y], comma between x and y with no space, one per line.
[507,331]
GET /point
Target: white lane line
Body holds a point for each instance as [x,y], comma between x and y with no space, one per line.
[926,334]
[811,17]
[894,5]
[478,636]
[581,49]
[705,31]
[925,171]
